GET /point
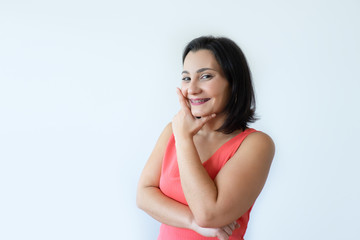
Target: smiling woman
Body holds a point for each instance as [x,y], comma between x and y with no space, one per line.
[208,167]
[206,88]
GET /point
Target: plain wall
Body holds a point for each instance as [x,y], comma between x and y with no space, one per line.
[86,87]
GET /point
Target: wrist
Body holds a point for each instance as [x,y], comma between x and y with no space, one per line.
[183,137]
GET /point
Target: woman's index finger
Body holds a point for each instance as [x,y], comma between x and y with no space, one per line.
[182,99]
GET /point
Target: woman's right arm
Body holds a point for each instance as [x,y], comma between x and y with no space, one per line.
[149,196]
[164,209]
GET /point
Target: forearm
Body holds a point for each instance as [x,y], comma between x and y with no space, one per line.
[199,189]
[164,209]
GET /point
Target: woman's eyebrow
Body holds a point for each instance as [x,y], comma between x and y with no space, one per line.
[198,71]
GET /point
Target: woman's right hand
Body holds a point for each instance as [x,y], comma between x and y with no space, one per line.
[222,233]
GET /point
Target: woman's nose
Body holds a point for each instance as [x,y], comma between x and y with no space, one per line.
[193,88]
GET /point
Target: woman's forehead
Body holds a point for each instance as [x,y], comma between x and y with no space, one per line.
[203,58]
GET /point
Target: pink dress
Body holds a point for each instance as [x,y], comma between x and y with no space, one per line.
[170,185]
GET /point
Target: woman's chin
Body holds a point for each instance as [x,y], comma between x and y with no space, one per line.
[197,114]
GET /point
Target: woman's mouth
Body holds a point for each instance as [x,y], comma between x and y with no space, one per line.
[198,101]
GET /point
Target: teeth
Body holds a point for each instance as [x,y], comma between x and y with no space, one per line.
[199,101]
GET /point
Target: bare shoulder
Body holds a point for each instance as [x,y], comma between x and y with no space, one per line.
[258,143]
[163,139]
[260,139]
[167,132]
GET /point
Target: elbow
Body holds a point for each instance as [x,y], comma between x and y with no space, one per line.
[203,223]
[143,197]
[205,220]
[138,202]
[140,199]
[213,219]
[141,204]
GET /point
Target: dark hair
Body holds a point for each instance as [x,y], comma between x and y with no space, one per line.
[240,109]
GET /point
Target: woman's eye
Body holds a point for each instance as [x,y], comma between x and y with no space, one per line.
[206,76]
[186,79]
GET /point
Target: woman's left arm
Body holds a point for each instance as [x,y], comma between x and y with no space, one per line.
[218,202]
[235,188]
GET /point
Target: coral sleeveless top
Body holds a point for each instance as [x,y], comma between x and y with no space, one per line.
[170,185]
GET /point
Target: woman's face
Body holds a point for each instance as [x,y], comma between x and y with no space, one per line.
[204,84]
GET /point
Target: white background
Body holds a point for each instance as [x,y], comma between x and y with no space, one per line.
[86,87]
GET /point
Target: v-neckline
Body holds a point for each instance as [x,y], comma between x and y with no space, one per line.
[225,143]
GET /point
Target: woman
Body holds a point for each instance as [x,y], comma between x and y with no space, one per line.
[208,167]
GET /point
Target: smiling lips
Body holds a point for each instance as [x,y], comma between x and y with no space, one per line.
[198,101]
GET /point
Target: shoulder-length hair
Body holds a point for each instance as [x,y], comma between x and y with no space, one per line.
[240,109]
